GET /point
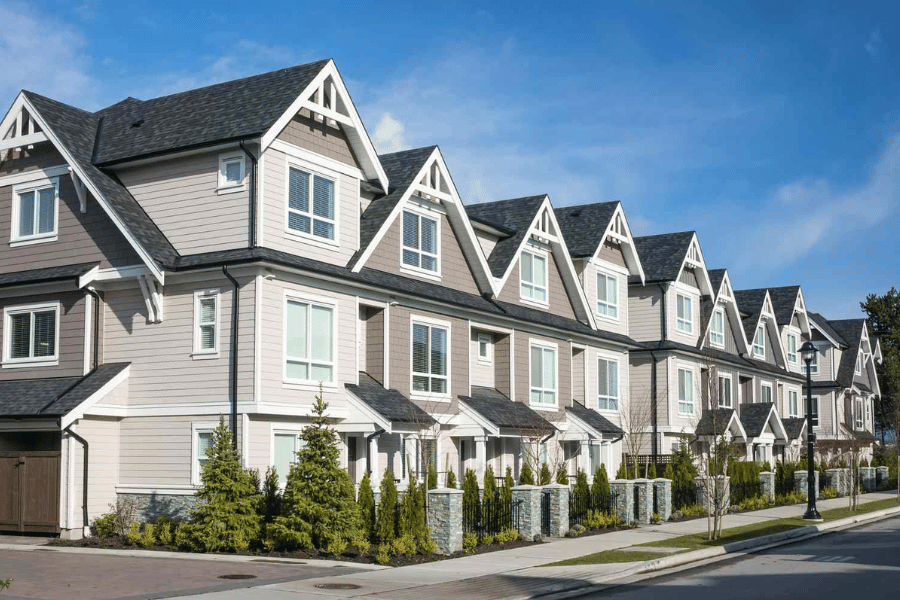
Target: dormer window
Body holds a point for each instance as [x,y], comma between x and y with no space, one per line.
[310,204]
[685,317]
[607,296]
[231,172]
[792,348]
[420,242]
[717,329]
[533,277]
[35,211]
[759,342]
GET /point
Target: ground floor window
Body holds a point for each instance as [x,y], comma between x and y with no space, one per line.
[285,447]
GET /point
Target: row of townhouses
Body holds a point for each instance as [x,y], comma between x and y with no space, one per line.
[238,249]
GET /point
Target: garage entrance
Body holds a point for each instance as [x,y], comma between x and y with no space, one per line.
[29,482]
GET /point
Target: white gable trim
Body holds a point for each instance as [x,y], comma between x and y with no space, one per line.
[705,283]
[354,128]
[475,416]
[727,303]
[800,311]
[84,408]
[355,403]
[833,341]
[626,242]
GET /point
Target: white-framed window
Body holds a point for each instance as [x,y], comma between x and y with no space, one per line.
[813,364]
[608,384]
[792,348]
[285,446]
[485,347]
[765,392]
[759,342]
[543,374]
[35,212]
[232,172]
[859,413]
[793,403]
[311,204]
[815,408]
[684,321]
[430,359]
[725,392]
[421,242]
[607,295]
[309,333]
[717,329]
[31,334]
[859,361]
[206,322]
[685,391]
[868,411]
[201,442]
[533,277]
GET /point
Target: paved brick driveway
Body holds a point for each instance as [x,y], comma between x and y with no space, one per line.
[46,573]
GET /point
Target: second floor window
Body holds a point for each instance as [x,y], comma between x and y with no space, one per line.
[815,409]
[310,204]
[608,377]
[543,375]
[725,394]
[859,413]
[793,403]
[309,347]
[533,277]
[34,214]
[717,329]
[206,332]
[684,321]
[792,348]
[765,393]
[31,333]
[429,359]
[759,342]
[420,242]
[485,341]
[607,296]
[685,391]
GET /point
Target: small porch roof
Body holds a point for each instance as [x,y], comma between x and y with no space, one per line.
[593,422]
[758,416]
[387,407]
[505,414]
[719,421]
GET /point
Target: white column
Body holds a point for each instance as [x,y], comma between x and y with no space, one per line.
[480,457]
[584,457]
[375,468]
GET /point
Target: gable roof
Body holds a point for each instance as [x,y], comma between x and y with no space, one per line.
[717,421]
[824,325]
[514,214]
[750,303]
[497,408]
[662,256]
[850,331]
[231,110]
[390,404]
[754,418]
[584,226]
[784,300]
[594,419]
[794,427]
[53,396]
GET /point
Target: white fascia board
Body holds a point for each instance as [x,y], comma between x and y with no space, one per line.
[632,260]
[366,412]
[524,242]
[583,426]
[476,419]
[88,277]
[84,408]
[89,184]
[800,311]
[705,283]
[365,151]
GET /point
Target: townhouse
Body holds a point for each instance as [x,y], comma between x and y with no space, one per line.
[234,251]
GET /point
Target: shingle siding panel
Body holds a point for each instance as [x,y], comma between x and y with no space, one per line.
[318,137]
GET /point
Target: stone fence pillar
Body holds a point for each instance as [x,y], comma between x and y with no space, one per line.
[722,485]
[559,509]
[644,499]
[848,480]
[621,500]
[663,489]
[445,518]
[767,484]
[529,510]
[800,483]
[834,478]
[881,476]
[867,477]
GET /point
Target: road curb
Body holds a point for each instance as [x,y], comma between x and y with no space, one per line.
[711,554]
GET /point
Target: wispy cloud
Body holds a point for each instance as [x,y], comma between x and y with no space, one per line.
[873,44]
[388,135]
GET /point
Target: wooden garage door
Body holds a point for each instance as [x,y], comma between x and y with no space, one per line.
[29,491]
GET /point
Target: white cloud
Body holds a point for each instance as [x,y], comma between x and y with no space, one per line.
[873,44]
[388,135]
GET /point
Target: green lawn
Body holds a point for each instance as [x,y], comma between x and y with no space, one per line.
[698,541]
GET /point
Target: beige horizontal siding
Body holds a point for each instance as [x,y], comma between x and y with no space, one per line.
[102,433]
[318,137]
[589,281]
[645,312]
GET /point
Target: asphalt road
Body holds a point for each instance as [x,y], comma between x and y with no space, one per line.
[860,563]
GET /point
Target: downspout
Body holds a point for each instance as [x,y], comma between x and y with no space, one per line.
[369,438]
[84,486]
[252,193]
[234,353]
[96,361]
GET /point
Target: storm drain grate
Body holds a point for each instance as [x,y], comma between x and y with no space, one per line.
[337,586]
[237,576]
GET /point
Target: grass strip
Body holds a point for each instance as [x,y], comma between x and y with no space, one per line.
[698,541]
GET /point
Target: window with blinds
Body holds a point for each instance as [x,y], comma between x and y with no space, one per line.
[792,348]
[725,392]
[717,329]
[429,359]
[793,403]
[309,342]
[543,375]
[607,296]
[608,384]
[31,333]
[204,443]
[35,212]
[533,277]
[206,329]
[311,204]
[420,242]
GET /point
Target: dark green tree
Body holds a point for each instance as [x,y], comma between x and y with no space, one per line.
[471,499]
[545,476]
[386,523]
[562,474]
[319,500]
[412,511]
[651,471]
[582,490]
[366,501]
[526,476]
[490,482]
[600,489]
[622,473]
[883,316]
[432,476]
[271,501]
[451,479]
[506,496]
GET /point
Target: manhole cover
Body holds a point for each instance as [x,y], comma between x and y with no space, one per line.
[337,586]
[237,576]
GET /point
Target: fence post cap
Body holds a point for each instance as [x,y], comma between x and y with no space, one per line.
[621,480]
[641,480]
[445,490]
[526,487]
[557,486]
[661,479]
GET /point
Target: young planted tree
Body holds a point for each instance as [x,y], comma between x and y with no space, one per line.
[562,474]
[320,504]
[637,422]
[716,456]
[600,489]
[366,501]
[526,477]
[386,522]
[546,475]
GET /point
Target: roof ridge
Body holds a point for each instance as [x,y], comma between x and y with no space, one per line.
[656,235]
[49,99]
[407,151]
[586,205]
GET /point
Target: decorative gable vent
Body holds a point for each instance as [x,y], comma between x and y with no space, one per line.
[326,103]
[694,258]
[433,185]
[23,133]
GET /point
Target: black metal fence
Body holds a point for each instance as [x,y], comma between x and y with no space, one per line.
[580,505]
[743,491]
[545,512]
[490,516]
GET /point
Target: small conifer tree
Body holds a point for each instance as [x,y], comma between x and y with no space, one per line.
[562,475]
[412,512]
[490,483]
[669,473]
[526,476]
[471,498]
[432,476]
[581,491]
[651,471]
[366,501]
[622,473]
[319,501]
[451,479]
[546,476]
[386,523]
[506,496]
[600,489]
[226,517]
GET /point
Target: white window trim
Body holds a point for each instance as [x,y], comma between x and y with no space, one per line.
[730,389]
[200,353]
[615,304]
[534,343]
[766,385]
[430,322]
[422,213]
[859,360]
[787,347]
[718,311]
[618,394]
[684,325]
[814,364]
[540,253]
[320,301]
[754,346]
[294,429]
[224,186]
[859,420]
[196,429]
[40,361]
[291,162]
[18,240]
[694,381]
[793,413]
[489,340]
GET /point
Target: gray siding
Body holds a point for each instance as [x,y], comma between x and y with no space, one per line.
[645,313]
[156,451]
[482,372]
[502,366]
[611,252]
[559,302]
[40,156]
[689,277]
[180,196]
[102,433]
[589,282]
[672,332]
[320,138]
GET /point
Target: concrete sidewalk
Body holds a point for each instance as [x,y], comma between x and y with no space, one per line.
[513,573]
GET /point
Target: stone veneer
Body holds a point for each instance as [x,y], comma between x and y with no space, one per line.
[867,478]
[644,499]
[767,484]
[559,509]
[663,490]
[710,502]
[800,483]
[529,510]
[445,518]
[149,507]
[882,474]
[621,493]
[834,478]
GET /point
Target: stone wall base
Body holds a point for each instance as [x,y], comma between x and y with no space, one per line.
[149,507]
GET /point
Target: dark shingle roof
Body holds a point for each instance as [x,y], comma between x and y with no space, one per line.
[716,277]
[390,404]
[503,412]
[77,131]
[53,397]
[722,357]
[45,275]
[783,301]
[662,255]
[755,416]
[850,331]
[583,226]
[594,419]
[824,325]
[750,302]
[715,422]
[794,427]
[224,111]
[515,215]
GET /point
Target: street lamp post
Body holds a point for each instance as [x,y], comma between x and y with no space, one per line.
[808,351]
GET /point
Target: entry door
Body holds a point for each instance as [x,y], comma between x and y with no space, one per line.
[29,491]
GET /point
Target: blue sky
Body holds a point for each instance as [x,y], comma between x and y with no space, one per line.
[773,130]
